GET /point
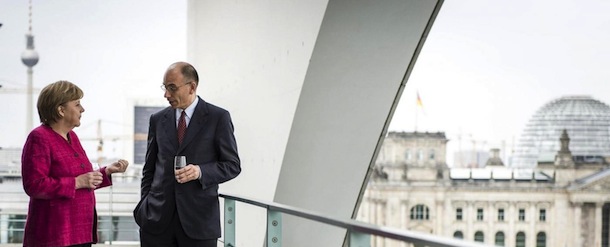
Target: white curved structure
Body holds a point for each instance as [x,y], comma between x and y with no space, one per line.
[312,86]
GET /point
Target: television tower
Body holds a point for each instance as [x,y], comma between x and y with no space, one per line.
[30,58]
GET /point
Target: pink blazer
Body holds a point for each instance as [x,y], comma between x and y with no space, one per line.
[58,214]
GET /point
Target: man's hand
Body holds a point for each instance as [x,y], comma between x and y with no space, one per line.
[188,173]
[119,166]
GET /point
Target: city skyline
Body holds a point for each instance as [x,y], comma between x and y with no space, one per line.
[483,72]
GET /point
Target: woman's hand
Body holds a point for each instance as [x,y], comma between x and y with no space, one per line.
[89,180]
[119,166]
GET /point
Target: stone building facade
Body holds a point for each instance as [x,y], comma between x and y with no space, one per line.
[561,202]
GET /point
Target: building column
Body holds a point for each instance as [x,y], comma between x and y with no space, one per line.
[404,219]
[392,203]
[470,216]
[510,216]
[532,225]
[577,223]
[403,215]
[378,221]
[605,220]
[448,218]
[598,223]
[490,232]
[372,217]
[439,218]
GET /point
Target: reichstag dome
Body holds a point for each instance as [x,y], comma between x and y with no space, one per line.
[586,120]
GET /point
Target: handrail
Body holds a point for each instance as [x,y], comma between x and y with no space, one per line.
[354,226]
[357,232]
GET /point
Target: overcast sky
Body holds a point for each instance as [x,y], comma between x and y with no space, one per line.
[484,70]
[116,51]
[487,66]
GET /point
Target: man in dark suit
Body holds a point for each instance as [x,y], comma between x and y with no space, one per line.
[180,208]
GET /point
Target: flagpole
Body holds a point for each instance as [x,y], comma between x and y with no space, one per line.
[418,105]
[416,115]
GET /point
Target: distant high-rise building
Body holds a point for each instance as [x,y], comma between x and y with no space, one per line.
[141,119]
[470,158]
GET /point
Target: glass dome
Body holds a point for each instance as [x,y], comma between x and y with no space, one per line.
[586,120]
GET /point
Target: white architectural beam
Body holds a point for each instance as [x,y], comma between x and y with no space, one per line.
[362,57]
[311,86]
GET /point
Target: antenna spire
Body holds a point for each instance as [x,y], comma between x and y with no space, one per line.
[29,57]
[30,16]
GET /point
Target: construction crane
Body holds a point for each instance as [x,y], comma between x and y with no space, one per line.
[29,91]
[15,90]
[100,138]
[8,90]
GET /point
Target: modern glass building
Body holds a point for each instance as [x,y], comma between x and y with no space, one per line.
[586,120]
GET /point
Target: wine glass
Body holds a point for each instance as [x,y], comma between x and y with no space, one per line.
[179,162]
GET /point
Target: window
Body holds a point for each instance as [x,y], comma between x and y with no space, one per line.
[16,224]
[458,214]
[501,214]
[109,228]
[542,216]
[500,239]
[408,154]
[431,155]
[479,237]
[541,239]
[420,212]
[479,214]
[520,239]
[458,235]
[521,214]
[420,154]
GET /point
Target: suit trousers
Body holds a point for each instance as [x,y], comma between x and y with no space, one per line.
[173,236]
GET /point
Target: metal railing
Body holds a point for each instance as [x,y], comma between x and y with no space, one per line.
[359,233]
[114,207]
[120,200]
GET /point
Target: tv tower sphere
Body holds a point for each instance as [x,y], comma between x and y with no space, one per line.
[29,57]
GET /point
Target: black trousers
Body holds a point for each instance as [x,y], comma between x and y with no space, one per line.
[173,236]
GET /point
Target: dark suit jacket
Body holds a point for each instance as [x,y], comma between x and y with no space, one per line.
[209,143]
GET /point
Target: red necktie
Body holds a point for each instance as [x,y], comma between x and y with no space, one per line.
[181,127]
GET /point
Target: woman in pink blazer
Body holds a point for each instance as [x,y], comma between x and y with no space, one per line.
[58,176]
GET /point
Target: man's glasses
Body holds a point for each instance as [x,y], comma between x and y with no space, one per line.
[172,88]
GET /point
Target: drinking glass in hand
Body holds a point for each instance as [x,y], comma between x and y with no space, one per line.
[179,162]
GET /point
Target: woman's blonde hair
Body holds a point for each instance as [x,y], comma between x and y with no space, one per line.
[54,95]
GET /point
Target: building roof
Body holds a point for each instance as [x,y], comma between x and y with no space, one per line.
[439,135]
[591,179]
[586,120]
[497,173]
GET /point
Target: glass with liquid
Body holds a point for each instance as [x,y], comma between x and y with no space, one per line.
[179,162]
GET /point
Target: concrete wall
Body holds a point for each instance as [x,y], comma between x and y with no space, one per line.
[311,86]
